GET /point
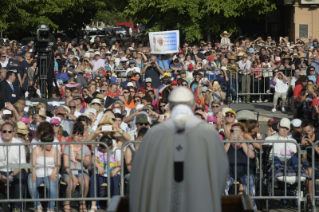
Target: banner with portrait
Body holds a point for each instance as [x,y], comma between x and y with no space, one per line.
[164,42]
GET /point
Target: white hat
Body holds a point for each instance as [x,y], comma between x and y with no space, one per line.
[129,84]
[123,59]
[181,94]
[96,53]
[28,103]
[90,110]
[224,68]
[296,122]
[245,115]
[55,103]
[284,122]
[225,110]
[148,79]
[204,89]
[108,52]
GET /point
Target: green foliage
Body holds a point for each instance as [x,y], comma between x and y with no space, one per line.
[25,15]
[194,17]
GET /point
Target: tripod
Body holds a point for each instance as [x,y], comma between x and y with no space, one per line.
[45,74]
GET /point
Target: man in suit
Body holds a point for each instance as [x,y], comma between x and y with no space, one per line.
[106,99]
[9,91]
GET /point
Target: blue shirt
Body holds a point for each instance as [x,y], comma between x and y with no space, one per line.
[314,79]
[316,65]
[164,64]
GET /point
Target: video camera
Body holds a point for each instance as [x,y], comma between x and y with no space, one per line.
[43,43]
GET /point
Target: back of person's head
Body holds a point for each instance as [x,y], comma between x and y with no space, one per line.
[47,137]
[107,140]
[181,95]
[307,123]
[147,98]
[43,127]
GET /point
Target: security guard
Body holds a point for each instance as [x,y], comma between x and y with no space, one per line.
[23,72]
[13,65]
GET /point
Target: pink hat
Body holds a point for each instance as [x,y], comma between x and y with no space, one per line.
[25,120]
[55,120]
[211,119]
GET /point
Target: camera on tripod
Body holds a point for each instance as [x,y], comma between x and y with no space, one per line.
[43,38]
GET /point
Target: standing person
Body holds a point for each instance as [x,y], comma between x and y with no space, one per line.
[48,168]
[153,71]
[23,73]
[244,66]
[9,91]
[15,155]
[179,164]
[298,95]
[281,89]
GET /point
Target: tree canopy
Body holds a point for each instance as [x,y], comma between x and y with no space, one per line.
[194,17]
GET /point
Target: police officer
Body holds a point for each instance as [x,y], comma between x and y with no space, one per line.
[23,74]
[13,65]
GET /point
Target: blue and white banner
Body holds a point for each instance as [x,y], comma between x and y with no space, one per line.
[164,42]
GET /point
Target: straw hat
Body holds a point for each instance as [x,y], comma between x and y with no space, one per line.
[232,58]
[287,57]
[22,128]
[302,55]
[225,33]
[42,113]
[241,54]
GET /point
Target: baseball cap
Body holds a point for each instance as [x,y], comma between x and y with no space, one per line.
[129,84]
[272,121]
[142,118]
[55,120]
[174,82]
[210,58]
[183,71]
[231,111]
[284,122]
[296,122]
[204,89]
[181,52]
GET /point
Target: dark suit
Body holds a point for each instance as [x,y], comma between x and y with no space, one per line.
[6,92]
[108,102]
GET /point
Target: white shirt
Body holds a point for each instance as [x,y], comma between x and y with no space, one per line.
[281,85]
[245,65]
[279,148]
[98,64]
[293,81]
[5,63]
[12,152]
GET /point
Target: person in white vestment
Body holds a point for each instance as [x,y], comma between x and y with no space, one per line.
[181,164]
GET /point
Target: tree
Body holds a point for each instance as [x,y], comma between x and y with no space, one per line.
[194,17]
[24,16]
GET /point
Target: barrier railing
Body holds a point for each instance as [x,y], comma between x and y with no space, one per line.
[313,155]
[267,147]
[123,148]
[76,155]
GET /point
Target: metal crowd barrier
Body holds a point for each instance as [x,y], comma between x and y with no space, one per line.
[314,197]
[29,165]
[271,192]
[123,148]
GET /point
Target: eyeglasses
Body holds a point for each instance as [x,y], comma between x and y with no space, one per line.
[104,84]
[6,131]
[215,106]
[132,91]
[103,91]
[230,115]
[144,124]
[72,107]
[55,125]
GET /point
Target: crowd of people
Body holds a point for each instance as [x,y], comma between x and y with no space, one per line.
[114,90]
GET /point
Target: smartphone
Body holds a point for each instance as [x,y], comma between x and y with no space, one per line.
[236,133]
[107,128]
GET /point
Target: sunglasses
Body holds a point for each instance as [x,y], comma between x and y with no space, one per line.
[72,107]
[230,115]
[184,84]
[104,84]
[137,100]
[215,106]
[103,91]
[55,125]
[144,124]
[125,92]
[162,106]
[6,131]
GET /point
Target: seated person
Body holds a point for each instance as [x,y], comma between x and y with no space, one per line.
[237,133]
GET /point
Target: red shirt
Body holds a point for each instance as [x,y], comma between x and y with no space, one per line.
[315,103]
[298,91]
